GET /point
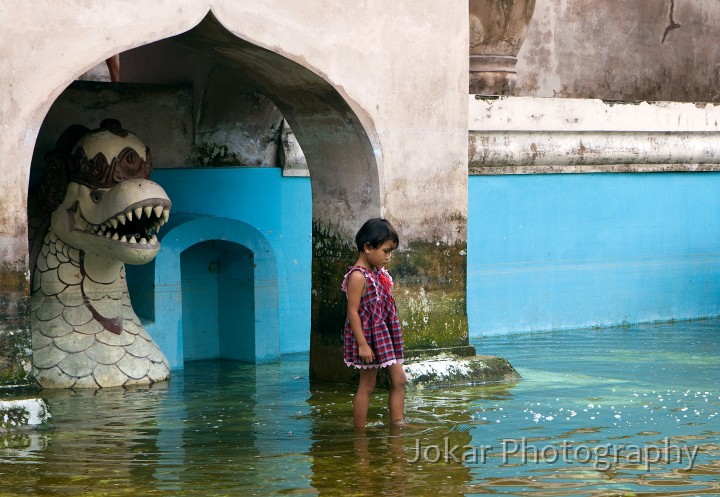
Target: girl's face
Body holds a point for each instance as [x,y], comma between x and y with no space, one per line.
[381,255]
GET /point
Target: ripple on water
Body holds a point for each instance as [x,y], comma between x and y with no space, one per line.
[599,412]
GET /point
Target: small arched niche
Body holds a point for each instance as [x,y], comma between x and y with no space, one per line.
[214,289]
[218,301]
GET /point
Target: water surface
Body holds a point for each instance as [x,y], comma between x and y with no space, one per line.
[599,412]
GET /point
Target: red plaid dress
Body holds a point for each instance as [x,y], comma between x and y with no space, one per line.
[380,322]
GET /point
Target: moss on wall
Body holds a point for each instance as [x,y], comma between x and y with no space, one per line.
[15,334]
[215,155]
[332,254]
[430,294]
[429,290]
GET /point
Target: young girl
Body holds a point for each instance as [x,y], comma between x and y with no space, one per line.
[373,335]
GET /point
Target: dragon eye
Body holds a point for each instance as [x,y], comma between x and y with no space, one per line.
[96,195]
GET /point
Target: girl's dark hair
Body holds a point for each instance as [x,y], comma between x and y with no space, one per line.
[375,232]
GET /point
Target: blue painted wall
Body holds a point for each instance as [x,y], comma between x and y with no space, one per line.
[257,207]
[580,250]
[544,251]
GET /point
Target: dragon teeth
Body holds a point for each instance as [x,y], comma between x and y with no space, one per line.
[108,229]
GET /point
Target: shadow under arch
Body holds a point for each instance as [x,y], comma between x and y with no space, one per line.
[186,231]
[341,149]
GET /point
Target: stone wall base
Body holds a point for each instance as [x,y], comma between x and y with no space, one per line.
[446,370]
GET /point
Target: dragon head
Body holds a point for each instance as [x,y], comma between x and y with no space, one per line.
[110,207]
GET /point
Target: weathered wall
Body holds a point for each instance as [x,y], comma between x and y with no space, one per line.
[562,251]
[235,124]
[15,345]
[162,115]
[622,50]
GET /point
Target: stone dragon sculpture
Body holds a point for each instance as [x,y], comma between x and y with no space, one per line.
[94,211]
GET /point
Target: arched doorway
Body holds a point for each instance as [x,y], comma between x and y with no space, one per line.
[218,301]
[341,155]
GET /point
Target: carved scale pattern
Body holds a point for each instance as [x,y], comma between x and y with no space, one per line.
[71,347]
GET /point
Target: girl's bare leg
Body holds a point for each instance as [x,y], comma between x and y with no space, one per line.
[361,401]
[396,399]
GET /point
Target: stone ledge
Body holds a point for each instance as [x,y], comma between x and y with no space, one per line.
[593,168]
[445,370]
[23,413]
[550,151]
[531,135]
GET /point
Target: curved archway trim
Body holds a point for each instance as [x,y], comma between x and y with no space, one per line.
[189,230]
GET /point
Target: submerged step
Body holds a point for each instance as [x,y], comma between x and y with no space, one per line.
[446,370]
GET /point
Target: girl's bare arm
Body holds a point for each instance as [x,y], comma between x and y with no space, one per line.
[355,290]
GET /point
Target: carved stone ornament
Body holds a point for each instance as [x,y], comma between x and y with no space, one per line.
[94,211]
[497,31]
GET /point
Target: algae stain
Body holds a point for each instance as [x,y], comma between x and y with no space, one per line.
[215,155]
[332,255]
[430,282]
[15,334]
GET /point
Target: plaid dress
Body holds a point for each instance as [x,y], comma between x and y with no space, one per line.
[380,322]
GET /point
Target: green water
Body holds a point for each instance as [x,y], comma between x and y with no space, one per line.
[224,428]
